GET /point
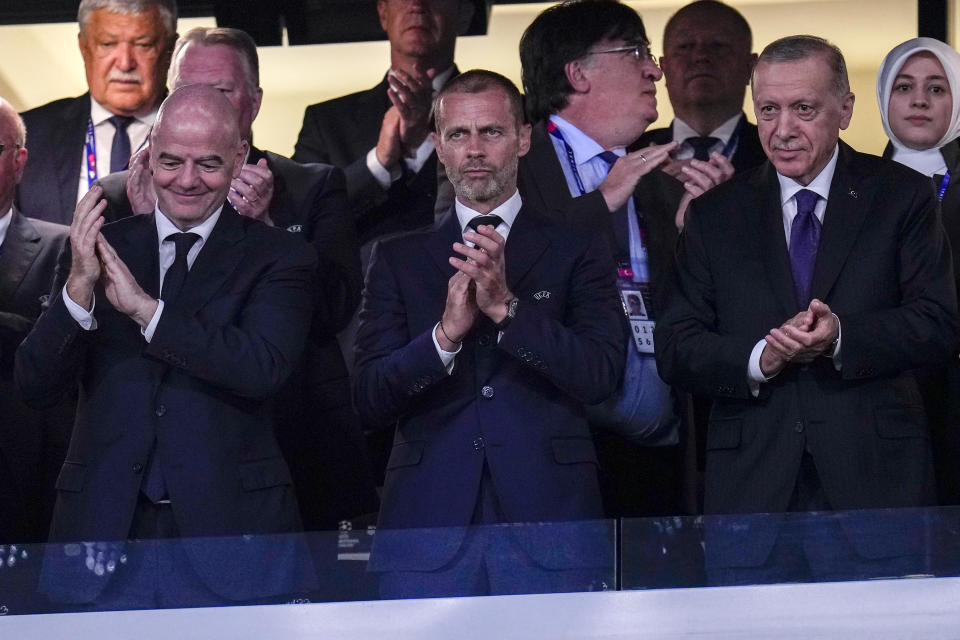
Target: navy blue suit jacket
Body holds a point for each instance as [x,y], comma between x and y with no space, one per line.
[201,387]
[518,404]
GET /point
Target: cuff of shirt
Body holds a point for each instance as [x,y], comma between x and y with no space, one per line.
[384,177]
[83,317]
[417,160]
[446,357]
[148,330]
[755,375]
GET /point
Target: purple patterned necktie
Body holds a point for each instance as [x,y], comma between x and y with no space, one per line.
[621,226]
[804,240]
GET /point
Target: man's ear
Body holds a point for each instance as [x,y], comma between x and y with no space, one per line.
[523,145]
[241,158]
[576,76]
[382,13]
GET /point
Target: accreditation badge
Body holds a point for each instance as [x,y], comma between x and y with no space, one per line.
[634,296]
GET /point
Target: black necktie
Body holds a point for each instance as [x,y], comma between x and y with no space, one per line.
[492,220]
[621,226]
[120,149]
[177,273]
[804,241]
[154,486]
[701,146]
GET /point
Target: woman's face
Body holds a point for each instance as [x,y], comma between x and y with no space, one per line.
[920,102]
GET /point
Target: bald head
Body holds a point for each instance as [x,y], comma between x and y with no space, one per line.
[13,157]
[195,151]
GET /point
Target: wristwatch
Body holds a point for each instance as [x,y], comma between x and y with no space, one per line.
[511,313]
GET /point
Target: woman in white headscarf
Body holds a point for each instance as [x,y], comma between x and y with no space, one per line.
[918,91]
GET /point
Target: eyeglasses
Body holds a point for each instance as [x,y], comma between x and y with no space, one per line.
[641,52]
[4,146]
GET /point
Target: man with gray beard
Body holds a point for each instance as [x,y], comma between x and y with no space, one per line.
[479,341]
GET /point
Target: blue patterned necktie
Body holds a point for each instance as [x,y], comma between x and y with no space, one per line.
[120,149]
[804,241]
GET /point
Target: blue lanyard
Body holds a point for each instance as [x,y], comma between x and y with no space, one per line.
[91,153]
[553,130]
[734,138]
[638,252]
[943,186]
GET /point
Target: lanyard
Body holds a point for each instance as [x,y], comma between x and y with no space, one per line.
[734,138]
[91,153]
[943,185]
[638,252]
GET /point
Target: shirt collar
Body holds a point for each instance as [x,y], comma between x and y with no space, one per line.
[507,211]
[5,224]
[682,131]
[584,147]
[819,185]
[99,114]
[165,227]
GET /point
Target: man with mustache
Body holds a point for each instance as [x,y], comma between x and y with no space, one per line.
[479,341]
[810,289]
[126,47]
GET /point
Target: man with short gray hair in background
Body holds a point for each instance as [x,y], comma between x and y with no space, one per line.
[126,47]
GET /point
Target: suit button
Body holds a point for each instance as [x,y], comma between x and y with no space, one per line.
[487,392]
[161,410]
[137,467]
[478,443]
[483,340]
[798,427]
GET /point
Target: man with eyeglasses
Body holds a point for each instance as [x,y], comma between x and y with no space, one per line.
[589,81]
[706,66]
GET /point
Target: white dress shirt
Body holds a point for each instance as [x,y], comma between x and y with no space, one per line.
[103,130]
[384,176]
[682,131]
[788,202]
[508,213]
[167,253]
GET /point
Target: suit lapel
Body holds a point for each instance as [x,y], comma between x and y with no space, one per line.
[545,174]
[776,258]
[217,259]
[74,126]
[138,248]
[847,207]
[20,249]
[525,244]
[439,244]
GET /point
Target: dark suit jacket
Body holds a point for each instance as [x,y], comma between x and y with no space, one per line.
[883,267]
[201,388]
[32,442]
[748,154]
[941,385]
[55,135]
[565,347]
[341,132]
[316,426]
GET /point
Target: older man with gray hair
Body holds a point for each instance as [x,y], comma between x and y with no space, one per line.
[126,47]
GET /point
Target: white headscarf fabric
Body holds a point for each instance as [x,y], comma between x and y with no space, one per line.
[926,161]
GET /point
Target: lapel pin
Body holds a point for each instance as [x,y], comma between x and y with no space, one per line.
[540,295]
[853,194]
